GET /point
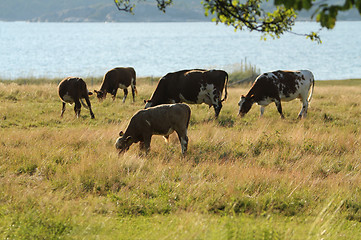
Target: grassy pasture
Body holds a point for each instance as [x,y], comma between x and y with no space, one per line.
[246,178]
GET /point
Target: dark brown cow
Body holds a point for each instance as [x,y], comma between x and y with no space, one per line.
[118,78]
[72,90]
[160,120]
[191,86]
[279,86]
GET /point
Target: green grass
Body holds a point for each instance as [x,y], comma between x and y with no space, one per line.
[246,178]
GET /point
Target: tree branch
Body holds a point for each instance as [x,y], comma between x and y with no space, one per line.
[251,15]
[126,5]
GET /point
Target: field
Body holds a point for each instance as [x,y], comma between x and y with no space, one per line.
[249,178]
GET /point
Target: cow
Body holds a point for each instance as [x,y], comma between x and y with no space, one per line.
[72,90]
[118,78]
[279,86]
[160,120]
[195,86]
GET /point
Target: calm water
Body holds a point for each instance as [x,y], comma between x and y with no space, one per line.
[153,49]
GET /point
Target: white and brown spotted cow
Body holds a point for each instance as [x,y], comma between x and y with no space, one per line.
[279,86]
[118,78]
[72,90]
[191,86]
[160,120]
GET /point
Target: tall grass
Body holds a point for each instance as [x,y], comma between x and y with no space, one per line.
[243,73]
[246,178]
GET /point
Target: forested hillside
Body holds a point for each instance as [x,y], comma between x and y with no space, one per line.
[106,11]
[97,11]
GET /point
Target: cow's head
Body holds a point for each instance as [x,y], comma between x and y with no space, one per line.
[245,104]
[123,143]
[100,94]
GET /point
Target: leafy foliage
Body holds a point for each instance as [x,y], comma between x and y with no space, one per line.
[251,15]
[326,14]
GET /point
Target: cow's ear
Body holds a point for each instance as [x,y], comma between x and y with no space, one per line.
[252,96]
[128,139]
[121,133]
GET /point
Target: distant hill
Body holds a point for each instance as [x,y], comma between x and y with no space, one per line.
[106,11]
[98,11]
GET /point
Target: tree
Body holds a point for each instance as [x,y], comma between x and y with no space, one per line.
[251,15]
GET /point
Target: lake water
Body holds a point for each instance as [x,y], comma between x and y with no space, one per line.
[58,50]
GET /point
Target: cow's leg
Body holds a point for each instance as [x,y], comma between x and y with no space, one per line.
[77,108]
[216,101]
[141,146]
[262,110]
[145,145]
[114,93]
[217,108]
[133,92]
[279,107]
[303,112]
[183,139]
[89,106]
[63,109]
[125,90]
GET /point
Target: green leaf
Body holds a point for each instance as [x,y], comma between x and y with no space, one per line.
[358,5]
[348,5]
[306,4]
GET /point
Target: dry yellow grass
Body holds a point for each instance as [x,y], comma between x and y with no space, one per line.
[247,178]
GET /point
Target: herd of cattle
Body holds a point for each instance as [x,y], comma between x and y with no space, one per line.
[165,112]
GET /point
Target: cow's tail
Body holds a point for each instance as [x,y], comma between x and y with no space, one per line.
[225,88]
[133,83]
[313,86]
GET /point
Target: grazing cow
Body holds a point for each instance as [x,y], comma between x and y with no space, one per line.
[72,90]
[279,86]
[118,78]
[191,86]
[160,120]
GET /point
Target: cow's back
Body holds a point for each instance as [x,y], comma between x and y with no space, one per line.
[117,76]
[126,73]
[181,80]
[285,85]
[170,113]
[179,114]
[71,86]
[189,85]
[308,75]
[216,77]
[160,119]
[171,86]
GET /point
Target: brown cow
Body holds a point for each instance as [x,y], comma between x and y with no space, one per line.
[160,120]
[191,86]
[118,78]
[72,90]
[279,86]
